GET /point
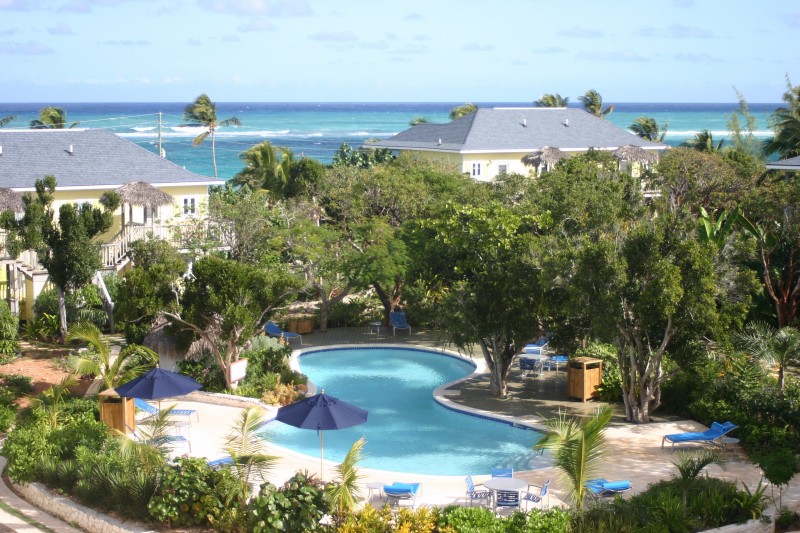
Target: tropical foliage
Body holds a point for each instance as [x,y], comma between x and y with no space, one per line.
[551,100]
[786,124]
[648,129]
[462,111]
[203,112]
[593,103]
[51,117]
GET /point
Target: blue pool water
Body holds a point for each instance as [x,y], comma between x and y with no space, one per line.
[406,431]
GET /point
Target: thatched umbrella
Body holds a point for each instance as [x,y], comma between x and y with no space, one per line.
[143,194]
[548,156]
[635,154]
[11,200]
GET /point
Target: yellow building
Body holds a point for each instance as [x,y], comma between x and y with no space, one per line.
[495,141]
[87,163]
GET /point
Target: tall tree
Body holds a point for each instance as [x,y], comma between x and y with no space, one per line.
[462,111]
[64,245]
[261,167]
[226,303]
[51,117]
[480,257]
[551,100]
[786,124]
[593,103]
[647,128]
[204,112]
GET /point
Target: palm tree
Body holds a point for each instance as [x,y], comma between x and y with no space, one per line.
[593,103]
[786,123]
[703,142]
[51,117]
[647,128]
[551,100]
[131,362]
[462,111]
[204,112]
[6,120]
[416,121]
[343,496]
[247,450]
[578,447]
[771,345]
[51,400]
[260,166]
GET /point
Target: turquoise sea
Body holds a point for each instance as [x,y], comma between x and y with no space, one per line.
[318,129]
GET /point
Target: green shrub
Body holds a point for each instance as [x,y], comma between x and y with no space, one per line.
[82,304]
[355,312]
[187,494]
[297,506]
[8,415]
[206,372]
[24,447]
[9,333]
[470,520]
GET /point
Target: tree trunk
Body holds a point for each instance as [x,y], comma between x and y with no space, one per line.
[108,304]
[326,303]
[499,363]
[390,302]
[62,314]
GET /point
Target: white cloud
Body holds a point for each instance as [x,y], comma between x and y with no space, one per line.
[626,56]
[477,47]
[257,24]
[335,36]
[274,8]
[583,33]
[60,29]
[706,59]
[31,48]
[413,16]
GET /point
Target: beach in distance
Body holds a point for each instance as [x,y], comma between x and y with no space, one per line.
[317,130]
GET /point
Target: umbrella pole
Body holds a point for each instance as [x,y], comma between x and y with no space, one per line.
[321,451]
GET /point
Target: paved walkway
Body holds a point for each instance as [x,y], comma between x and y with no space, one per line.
[635,451]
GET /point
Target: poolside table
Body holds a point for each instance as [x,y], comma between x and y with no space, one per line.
[375,487]
[505,483]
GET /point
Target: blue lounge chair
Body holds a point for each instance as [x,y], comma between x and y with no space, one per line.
[530,497]
[555,361]
[398,320]
[473,494]
[536,347]
[714,435]
[502,472]
[397,492]
[167,440]
[216,464]
[603,488]
[274,330]
[153,411]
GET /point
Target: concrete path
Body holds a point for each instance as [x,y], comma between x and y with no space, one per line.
[18,515]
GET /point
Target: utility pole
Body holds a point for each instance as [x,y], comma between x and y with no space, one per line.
[161,151]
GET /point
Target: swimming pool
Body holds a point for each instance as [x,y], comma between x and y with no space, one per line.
[407,431]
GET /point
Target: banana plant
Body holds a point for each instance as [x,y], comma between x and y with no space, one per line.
[717,231]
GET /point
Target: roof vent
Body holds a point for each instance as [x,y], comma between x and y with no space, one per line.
[1,150]
[70,150]
[566,122]
[524,122]
[439,143]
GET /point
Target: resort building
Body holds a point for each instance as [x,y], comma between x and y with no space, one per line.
[157,195]
[495,141]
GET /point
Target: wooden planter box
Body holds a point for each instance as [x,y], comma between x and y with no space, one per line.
[301,325]
[116,412]
[584,375]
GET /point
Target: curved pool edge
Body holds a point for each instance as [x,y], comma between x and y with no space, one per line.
[440,394]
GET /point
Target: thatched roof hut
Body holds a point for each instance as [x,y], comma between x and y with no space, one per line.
[547,156]
[11,200]
[143,194]
[634,154]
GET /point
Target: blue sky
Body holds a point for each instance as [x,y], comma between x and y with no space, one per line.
[411,50]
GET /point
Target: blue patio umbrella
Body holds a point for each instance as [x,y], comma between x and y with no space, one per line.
[156,384]
[321,412]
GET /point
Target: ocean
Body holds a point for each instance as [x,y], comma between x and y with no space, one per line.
[317,130]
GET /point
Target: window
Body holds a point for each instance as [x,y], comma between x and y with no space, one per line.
[476,169]
[502,169]
[189,206]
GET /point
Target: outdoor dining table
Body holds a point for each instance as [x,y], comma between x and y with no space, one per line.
[505,483]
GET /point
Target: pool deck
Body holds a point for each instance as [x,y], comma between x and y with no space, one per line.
[634,451]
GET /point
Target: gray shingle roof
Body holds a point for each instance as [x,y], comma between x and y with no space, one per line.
[98,159]
[517,130]
[793,163]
